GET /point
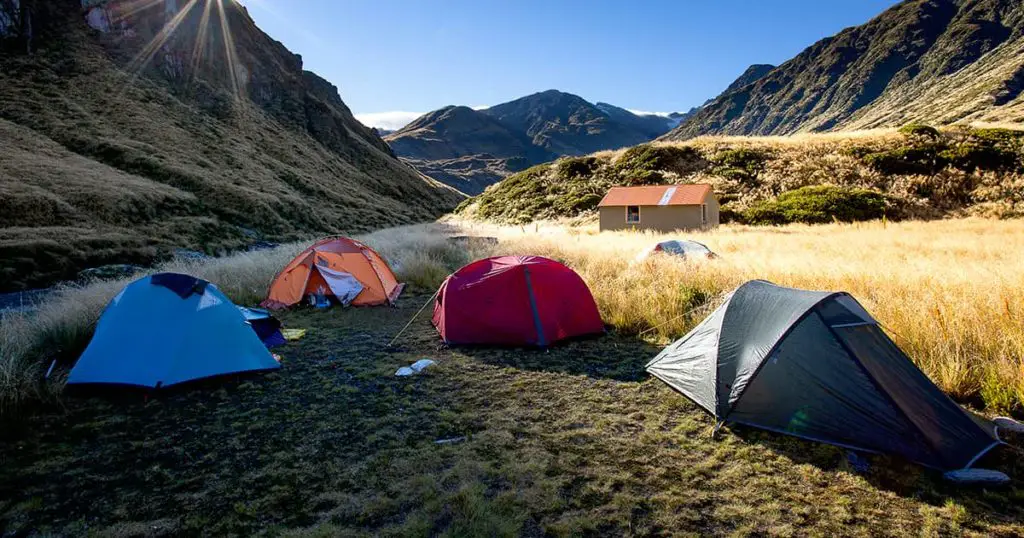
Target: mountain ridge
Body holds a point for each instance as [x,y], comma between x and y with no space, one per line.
[445,144]
[937,61]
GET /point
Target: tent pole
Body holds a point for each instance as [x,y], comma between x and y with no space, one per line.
[684,314]
[422,308]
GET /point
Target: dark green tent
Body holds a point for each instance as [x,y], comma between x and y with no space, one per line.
[816,365]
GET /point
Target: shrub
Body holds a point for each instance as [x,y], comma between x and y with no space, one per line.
[817,205]
[922,131]
[972,156]
[463,205]
[645,158]
[576,167]
[645,177]
[907,161]
[741,164]
[573,204]
[997,136]
[727,214]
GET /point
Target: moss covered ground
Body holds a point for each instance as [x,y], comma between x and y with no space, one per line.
[575,440]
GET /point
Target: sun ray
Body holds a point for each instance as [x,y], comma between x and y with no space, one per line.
[160,39]
[201,37]
[130,8]
[230,53]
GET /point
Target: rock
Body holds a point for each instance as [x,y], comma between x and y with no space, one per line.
[186,254]
[976,476]
[109,272]
[262,245]
[405,371]
[450,441]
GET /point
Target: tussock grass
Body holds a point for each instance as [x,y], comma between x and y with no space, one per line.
[60,329]
[950,292]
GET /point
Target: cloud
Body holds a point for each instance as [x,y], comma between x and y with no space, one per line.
[391,120]
[480,107]
[646,113]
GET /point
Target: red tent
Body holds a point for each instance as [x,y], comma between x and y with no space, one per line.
[515,300]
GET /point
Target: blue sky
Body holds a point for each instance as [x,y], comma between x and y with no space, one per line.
[395,59]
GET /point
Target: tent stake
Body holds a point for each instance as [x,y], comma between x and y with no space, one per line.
[422,308]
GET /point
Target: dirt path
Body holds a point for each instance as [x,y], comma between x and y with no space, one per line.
[574,440]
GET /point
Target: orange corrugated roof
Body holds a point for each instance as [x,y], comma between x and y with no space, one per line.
[691,194]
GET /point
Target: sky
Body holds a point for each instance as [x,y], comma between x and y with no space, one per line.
[393,60]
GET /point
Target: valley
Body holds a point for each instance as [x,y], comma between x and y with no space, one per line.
[565,441]
[882,157]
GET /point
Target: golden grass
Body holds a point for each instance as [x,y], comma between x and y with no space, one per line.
[880,134]
[950,292]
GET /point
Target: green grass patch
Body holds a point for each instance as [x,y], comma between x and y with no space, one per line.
[571,441]
[818,205]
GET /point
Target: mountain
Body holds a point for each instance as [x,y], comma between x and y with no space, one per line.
[753,74]
[652,125]
[471,149]
[936,61]
[566,124]
[133,129]
[465,148]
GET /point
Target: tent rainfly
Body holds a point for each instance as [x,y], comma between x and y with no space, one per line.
[345,269]
[166,329]
[514,301]
[683,248]
[816,365]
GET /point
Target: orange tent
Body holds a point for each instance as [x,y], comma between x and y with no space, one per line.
[338,267]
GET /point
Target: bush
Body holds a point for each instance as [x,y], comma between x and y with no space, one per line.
[573,204]
[740,164]
[908,161]
[646,158]
[818,205]
[997,137]
[645,177]
[576,168]
[920,130]
[972,156]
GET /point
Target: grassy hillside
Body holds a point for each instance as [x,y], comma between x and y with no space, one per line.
[917,172]
[938,61]
[109,160]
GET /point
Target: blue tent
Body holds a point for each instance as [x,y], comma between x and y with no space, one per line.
[267,327]
[166,329]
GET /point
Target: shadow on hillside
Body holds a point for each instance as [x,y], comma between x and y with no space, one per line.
[906,479]
[604,357]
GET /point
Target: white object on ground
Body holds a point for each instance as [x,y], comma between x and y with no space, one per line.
[453,440]
[976,476]
[404,371]
[1008,424]
[421,365]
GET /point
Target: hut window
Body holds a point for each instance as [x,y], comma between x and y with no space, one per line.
[632,213]
[704,213]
